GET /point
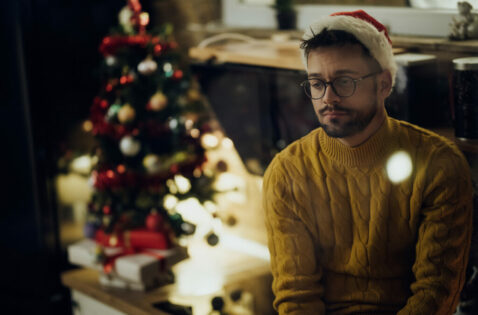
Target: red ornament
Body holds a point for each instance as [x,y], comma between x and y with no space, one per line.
[106,209]
[157,49]
[109,87]
[121,169]
[108,268]
[154,221]
[104,104]
[178,74]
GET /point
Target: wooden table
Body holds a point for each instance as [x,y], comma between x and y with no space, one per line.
[208,272]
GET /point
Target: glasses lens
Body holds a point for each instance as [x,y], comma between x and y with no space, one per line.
[344,86]
[314,88]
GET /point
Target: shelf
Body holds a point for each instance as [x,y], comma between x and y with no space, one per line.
[408,42]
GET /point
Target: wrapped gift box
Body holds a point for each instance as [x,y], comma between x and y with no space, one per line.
[136,239]
[111,280]
[137,271]
[83,253]
[137,267]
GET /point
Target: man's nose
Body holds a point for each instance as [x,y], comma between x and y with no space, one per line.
[330,97]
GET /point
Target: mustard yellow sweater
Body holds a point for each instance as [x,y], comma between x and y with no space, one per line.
[344,239]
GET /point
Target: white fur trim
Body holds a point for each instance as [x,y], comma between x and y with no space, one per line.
[365,32]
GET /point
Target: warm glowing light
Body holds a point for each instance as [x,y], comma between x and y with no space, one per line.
[228,181]
[113,241]
[167,67]
[110,174]
[209,141]
[195,133]
[170,202]
[144,18]
[210,206]
[399,166]
[173,123]
[182,183]
[87,126]
[199,280]
[245,246]
[227,143]
[121,169]
[82,164]
[189,123]
[172,186]
[197,172]
[192,211]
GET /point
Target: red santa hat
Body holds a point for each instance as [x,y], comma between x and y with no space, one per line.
[371,33]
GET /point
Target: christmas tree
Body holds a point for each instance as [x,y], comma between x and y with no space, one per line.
[150,122]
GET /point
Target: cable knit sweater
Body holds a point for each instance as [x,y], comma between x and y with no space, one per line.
[344,239]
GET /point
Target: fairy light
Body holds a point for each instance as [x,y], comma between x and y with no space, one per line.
[209,141]
[183,184]
[87,126]
[82,164]
[227,143]
[172,186]
[170,202]
[399,166]
[195,133]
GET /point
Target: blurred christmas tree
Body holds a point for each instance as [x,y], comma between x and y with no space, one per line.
[150,122]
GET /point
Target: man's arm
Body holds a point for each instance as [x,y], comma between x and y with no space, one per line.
[296,273]
[443,238]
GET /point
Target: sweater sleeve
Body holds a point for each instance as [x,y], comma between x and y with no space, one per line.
[444,236]
[296,274]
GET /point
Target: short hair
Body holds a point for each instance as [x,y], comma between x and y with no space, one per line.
[329,38]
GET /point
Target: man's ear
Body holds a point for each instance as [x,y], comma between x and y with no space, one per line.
[385,83]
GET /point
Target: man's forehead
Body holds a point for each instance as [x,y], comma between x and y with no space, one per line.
[337,60]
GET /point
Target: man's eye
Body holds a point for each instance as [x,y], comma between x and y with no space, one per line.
[343,81]
[317,84]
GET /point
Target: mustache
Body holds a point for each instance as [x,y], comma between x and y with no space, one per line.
[331,108]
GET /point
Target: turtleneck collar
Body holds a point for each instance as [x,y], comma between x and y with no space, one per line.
[366,153]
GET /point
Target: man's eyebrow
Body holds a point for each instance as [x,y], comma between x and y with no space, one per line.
[336,73]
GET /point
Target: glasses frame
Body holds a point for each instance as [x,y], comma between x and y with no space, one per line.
[304,83]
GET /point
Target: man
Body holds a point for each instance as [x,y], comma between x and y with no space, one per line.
[367,214]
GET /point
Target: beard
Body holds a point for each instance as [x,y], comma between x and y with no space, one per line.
[360,119]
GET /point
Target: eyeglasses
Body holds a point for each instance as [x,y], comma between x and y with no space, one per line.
[343,86]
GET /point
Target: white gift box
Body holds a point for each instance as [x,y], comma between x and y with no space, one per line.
[83,253]
[137,267]
[113,280]
[140,271]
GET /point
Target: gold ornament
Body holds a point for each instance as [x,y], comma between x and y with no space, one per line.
[126,114]
[152,163]
[158,101]
[194,95]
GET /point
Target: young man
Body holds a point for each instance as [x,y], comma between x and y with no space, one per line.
[352,228]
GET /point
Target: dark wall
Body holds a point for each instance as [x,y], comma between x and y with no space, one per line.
[49,58]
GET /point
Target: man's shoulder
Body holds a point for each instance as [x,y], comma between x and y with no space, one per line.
[308,144]
[292,156]
[422,136]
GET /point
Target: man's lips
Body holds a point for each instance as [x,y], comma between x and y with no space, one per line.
[334,113]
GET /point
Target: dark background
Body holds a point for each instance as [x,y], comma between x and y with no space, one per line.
[49,57]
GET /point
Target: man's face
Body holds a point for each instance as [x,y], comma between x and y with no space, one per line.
[344,117]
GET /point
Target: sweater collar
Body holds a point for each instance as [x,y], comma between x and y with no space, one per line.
[365,154]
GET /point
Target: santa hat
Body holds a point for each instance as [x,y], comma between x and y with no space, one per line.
[371,33]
